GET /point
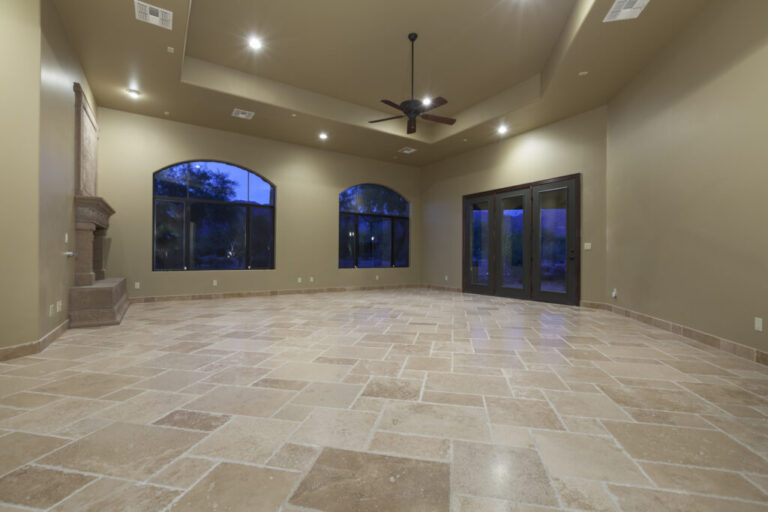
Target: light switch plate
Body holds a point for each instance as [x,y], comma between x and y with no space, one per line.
[298,280]
[758,324]
[587,246]
[215,282]
[137,285]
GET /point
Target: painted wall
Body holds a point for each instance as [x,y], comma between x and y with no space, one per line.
[687,178]
[307,180]
[575,145]
[19,127]
[59,70]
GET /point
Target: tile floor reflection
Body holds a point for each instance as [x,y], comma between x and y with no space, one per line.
[392,400]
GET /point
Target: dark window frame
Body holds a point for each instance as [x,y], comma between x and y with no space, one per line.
[392,218]
[187,201]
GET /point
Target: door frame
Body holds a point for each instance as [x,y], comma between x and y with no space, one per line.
[577,178]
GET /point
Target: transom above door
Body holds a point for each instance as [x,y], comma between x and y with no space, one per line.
[523,241]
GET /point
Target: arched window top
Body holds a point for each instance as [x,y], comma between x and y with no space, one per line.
[213,181]
[373,199]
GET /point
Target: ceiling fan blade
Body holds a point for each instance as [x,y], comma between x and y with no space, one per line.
[391,104]
[385,119]
[437,102]
[411,126]
[438,119]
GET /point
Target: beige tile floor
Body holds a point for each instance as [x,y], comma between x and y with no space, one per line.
[399,400]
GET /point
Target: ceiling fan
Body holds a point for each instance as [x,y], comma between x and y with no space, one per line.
[413,108]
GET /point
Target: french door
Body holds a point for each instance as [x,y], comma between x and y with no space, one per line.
[523,242]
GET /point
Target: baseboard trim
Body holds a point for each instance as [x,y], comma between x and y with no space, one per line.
[265,293]
[696,336]
[33,347]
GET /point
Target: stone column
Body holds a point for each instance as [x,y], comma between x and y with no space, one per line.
[98,253]
[84,274]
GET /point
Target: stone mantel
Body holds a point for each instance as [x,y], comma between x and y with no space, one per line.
[93,210]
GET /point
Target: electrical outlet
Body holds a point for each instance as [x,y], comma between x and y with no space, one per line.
[758,324]
[446,277]
[298,280]
[614,293]
[137,285]
[215,282]
[377,278]
[58,306]
[50,310]
[311,279]
[587,246]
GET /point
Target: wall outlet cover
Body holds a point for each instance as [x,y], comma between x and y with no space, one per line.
[137,285]
[58,306]
[215,282]
[311,279]
[587,246]
[758,324]
[298,280]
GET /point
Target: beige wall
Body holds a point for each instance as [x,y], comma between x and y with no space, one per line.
[19,125]
[688,175]
[308,182]
[575,145]
[59,70]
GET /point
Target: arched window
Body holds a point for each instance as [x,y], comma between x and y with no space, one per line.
[373,227]
[212,216]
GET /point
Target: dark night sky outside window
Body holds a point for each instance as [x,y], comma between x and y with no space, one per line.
[212,216]
[373,227]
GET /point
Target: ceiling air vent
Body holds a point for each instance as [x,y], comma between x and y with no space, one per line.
[625,10]
[406,150]
[242,114]
[153,15]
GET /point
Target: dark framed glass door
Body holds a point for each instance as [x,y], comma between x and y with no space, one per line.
[478,263]
[513,229]
[523,242]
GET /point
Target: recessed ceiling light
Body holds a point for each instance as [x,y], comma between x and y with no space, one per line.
[427,101]
[322,136]
[167,113]
[254,43]
[583,73]
[133,93]
[466,140]
[502,129]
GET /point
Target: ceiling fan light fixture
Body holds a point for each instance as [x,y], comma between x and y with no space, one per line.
[427,101]
[133,93]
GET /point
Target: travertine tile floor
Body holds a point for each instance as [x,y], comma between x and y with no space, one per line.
[400,400]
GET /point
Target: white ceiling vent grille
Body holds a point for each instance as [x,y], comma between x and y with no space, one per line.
[625,10]
[406,150]
[153,15]
[242,114]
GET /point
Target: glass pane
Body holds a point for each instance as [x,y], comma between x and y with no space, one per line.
[374,242]
[259,190]
[348,200]
[217,236]
[217,181]
[553,205]
[262,238]
[368,198]
[478,243]
[171,182]
[169,235]
[512,242]
[346,241]
[400,228]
